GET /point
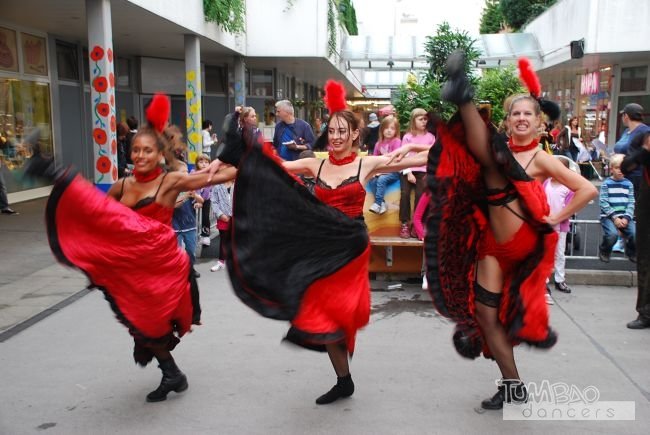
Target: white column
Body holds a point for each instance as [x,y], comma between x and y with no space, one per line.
[102,92]
[193,96]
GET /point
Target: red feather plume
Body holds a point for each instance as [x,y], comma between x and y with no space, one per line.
[158,112]
[529,77]
[334,96]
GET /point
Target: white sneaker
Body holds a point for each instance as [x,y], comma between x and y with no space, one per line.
[205,241]
[375,208]
[549,299]
[425,284]
[382,209]
[217,267]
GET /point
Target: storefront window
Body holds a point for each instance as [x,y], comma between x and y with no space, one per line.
[594,103]
[24,105]
[262,83]
[634,79]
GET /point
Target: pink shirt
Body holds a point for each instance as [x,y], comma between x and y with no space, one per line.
[426,139]
[558,196]
[387,146]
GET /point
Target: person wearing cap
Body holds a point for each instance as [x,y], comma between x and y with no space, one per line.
[632,117]
[372,134]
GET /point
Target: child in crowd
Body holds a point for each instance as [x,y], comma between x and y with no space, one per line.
[558,196]
[419,215]
[221,199]
[616,211]
[413,177]
[388,142]
[202,162]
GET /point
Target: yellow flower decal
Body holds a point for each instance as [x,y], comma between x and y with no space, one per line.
[191,75]
[189,94]
[188,123]
[192,156]
[194,137]
[194,108]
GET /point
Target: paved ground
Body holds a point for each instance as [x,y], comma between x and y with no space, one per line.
[66,365]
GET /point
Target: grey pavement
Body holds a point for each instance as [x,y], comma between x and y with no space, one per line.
[67,367]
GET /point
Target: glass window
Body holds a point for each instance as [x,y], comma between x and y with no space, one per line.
[24,105]
[634,78]
[215,80]
[123,72]
[262,83]
[66,61]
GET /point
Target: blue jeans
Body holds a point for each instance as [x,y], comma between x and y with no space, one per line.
[610,234]
[379,184]
[188,240]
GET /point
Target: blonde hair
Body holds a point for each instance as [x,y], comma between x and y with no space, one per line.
[616,160]
[245,112]
[414,114]
[201,157]
[385,123]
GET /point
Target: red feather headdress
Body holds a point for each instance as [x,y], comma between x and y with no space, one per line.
[158,112]
[529,77]
[334,96]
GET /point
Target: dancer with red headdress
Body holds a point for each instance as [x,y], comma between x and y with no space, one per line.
[490,244]
[124,243]
[317,276]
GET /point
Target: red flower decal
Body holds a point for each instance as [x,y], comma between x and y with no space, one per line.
[112,100]
[103,165]
[109,55]
[113,146]
[113,123]
[100,84]
[103,109]
[100,136]
[97,53]
[114,173]
[111,79]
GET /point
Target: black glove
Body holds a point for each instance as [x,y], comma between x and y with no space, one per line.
[457,89]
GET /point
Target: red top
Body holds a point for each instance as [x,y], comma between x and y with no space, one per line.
[348,196]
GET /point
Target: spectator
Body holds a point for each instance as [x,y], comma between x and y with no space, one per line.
[221,200]
[616,211]
[372,135]
[640,158]
[389,141]
[132,123]
[413,178]
[419,217]
[292,135]
[558,196]
[4,201]
[122,148]
[203,161]
[573,131]
[209,138]
[632,117]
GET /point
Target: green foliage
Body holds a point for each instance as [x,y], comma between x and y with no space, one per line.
[440,46]
[423,94]
[348,16]
[230,15]
[519,12]
[495,86]
[491,18]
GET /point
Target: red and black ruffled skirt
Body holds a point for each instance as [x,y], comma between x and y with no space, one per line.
[458,235]
[135,260]
[292,257]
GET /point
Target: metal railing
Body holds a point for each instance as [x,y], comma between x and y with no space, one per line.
[589,233]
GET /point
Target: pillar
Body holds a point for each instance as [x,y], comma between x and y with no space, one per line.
[193,97]
[240,81]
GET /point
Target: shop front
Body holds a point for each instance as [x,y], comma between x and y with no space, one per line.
[593,105]
[24,105]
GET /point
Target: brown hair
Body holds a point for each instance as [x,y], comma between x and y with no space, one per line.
[350,119]
[200,157]
[385,123]
[122,130]
[414,114]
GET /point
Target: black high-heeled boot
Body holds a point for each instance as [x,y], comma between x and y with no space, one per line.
[457,89]
[510,391]
[173,380]
[344,388]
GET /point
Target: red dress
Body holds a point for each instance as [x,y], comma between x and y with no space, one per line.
[131,255]
[295,256]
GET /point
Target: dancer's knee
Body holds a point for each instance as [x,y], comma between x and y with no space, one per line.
[486,306]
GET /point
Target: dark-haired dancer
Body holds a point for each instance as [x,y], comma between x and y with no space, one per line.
[487,199]
[319,280]
[125,244]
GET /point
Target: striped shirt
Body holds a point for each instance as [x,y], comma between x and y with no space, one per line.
[617,198]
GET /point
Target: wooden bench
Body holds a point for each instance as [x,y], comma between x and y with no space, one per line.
[396,255]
